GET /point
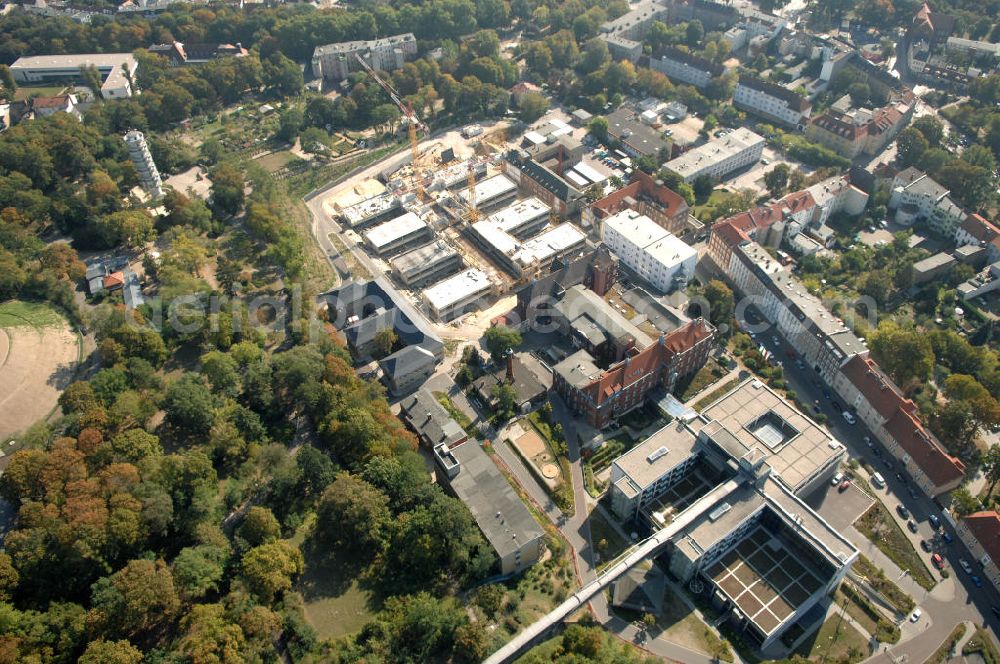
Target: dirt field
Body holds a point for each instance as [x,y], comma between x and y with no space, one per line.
[37,353]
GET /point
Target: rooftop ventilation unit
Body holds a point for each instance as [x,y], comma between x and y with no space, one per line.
[657,454]
[717,513]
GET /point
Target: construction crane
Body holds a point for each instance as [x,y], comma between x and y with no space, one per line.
[410,118]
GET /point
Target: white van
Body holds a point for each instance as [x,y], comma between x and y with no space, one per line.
[836,479]
[878,480]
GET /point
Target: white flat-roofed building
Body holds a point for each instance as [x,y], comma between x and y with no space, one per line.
[720,157]
[117,71]
[540,251]
[452,296]
[397,235]
[371,211]
[653,252]
[522,219]
[426,264]
[492,192]
[772,101]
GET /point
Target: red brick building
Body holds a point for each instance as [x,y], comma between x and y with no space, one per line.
[601,396]
[645,195]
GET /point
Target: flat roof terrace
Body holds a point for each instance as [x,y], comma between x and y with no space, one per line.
[796,447]
[767,575]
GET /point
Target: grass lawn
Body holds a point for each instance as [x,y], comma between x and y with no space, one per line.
[335,605]
[318,273]
[714,395]
[679,624]
[456,414]
[982,643]
[878,525]
[865,614]
[276,160]
[17,313]
[708,207]
[835,641]
[877,579]
[944,650]
[707,375]
[23,92]
[357,269]
[601,530]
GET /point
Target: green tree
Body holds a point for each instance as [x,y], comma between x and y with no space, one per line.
[598,128]
[7,79]
[129,228]
[259,527]
[911,144]
[189,406]
[135,599]
[199,570]
[694,33]
[135,445]
[209,637]
[991,467]
[385,340]
[490,598]
[777,179]
[110,652]
[931,129]
[506,398]
[353,515]
[269,569]
[963,502]
[904,353]
[499,339]
[720,299]
[92,79]
[532,106]
[227,187]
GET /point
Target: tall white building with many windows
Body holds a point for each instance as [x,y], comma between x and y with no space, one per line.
[772,102]
[138,152]
[653,252]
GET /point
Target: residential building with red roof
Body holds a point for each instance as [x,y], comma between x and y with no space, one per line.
[618,364]
[896,424]
[981,533]
[977,231]
[860,131]
[649,197]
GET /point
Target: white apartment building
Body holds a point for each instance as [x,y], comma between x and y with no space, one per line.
[683,67]
[335,61]
[917,197]
[653,252]
[720,157]
[117,71]
[397,235]
[773,102]
[453,296]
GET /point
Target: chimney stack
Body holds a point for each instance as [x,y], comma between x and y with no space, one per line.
[510,366]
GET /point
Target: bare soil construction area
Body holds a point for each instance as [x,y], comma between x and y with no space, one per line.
[38,350]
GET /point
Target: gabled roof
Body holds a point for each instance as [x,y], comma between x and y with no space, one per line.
[985,527]
[980,228]
[941,468]
[875,386]
[406,361]
[60,101]
[114,280]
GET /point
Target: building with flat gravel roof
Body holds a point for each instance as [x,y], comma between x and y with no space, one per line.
[453,296]
[719,157]
[522,219]
[372,210]
[426,264]
[398,235]
[760,553]
[650,250]
[117,71]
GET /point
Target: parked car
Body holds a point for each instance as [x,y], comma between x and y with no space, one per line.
[946,537]
[925,545]
[836,479]
[849,417]
[912,525]
[843,486]
[915,616]
[869,443]
[937,560]
[878,480]
[902,511]
[976,581]
[935,521]
[964,564]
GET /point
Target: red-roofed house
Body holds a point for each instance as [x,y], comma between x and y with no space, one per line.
[114,281]
[981,533]
[979,232]
[647,196]
[604,396]
[895,422]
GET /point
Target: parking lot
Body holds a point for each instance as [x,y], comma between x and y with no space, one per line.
[840,509]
